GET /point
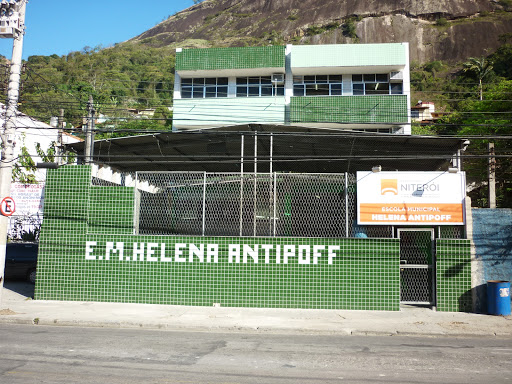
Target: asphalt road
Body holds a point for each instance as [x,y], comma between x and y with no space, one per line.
[37,354]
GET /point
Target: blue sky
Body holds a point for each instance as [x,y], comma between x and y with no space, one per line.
[63,26]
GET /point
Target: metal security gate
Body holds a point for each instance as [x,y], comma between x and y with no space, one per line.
[417,266]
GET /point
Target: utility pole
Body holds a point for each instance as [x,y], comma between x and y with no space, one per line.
[15,14]
[89,136]
[492,176]
[60,150]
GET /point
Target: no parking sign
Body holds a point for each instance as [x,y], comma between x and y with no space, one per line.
[7,206]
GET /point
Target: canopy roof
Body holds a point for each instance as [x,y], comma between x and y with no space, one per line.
[284,148]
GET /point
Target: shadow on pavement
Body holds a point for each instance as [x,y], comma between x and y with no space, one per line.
[19,289]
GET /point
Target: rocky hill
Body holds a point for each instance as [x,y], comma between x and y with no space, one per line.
[448,30]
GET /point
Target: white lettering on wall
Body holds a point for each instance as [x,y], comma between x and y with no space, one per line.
[316,252]
[195,251]
[138,253]
[178,252]
[267,248]
[248,251]
[89,250]
[304,254]
[118,249]
[330,252]
[151,251]
[234,252]
[289,251]
[212,250]
[201,253]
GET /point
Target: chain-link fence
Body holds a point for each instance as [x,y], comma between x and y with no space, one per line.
[231,204]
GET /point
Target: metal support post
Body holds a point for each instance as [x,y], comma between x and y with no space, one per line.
[270,221]
[346,206]
[8,135]
[204,203]
[242,139]
[255,180]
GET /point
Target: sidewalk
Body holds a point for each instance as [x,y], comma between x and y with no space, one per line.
[17,308]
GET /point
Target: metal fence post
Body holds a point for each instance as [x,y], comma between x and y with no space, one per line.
[204,203]
[346,205]
[255,181]
[275,201]
[242,142]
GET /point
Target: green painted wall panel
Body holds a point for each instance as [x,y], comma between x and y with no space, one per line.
[349,55]
[230,58]
[229,111]
[350,109]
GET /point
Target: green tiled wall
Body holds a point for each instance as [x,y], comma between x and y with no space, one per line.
[230,58]
[73,262]
[362,276]
[64,226]
[350,109]
[111,210]
[453,275]
[85,227]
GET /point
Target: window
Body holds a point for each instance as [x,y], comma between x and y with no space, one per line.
[257,86]
[375,84]
[320,85]
[204,87]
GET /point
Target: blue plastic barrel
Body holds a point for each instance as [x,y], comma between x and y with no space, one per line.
[498,297]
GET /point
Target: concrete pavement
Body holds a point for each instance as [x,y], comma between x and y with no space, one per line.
[18,308]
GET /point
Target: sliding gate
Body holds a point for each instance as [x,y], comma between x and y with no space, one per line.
[417,266]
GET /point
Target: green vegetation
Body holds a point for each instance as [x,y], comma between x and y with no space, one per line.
[349,28]
[442,22]
[477,99]
[319,29]
[475,96]
[120,77]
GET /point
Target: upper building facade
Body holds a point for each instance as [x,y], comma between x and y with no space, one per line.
[356,87]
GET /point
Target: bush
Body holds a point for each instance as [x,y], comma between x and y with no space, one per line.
[442,22]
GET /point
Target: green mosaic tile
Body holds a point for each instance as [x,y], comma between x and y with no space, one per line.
[111,210]
[453,275]
[230,58]
[350,109]
[87,254]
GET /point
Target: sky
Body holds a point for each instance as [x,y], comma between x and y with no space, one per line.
[63,26]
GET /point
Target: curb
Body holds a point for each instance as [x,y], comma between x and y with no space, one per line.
[245,329]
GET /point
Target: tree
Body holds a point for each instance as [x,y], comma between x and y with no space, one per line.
[478,119]
[481,68]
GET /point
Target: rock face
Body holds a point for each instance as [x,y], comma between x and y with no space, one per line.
[449,30]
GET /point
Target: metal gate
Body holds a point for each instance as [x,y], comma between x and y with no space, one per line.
[417,266]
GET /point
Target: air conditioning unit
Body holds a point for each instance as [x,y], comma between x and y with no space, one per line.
[396,77]
[278,78]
